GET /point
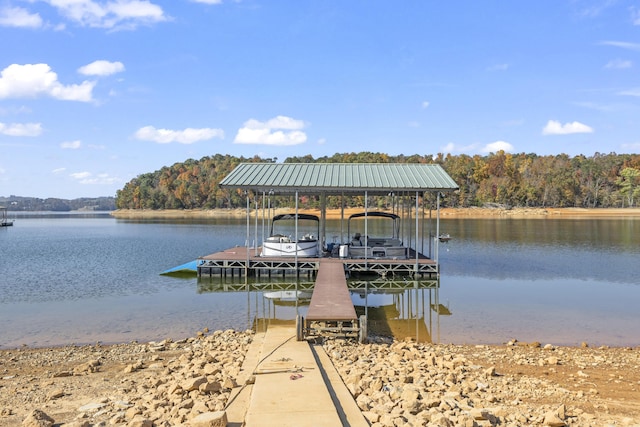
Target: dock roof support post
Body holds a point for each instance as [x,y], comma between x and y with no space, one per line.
[366,228]
[437,238]
[263,218]
[342,241]
[417,235]
[323,220]
[255,232]
[296,236]
[246,267]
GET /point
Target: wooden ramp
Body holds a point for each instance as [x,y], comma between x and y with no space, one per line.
[331,300]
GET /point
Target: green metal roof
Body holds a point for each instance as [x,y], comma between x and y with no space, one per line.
[339,177]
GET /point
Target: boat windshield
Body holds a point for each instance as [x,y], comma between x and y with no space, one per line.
[285,225]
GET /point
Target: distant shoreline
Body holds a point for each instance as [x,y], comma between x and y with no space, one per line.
[444,213]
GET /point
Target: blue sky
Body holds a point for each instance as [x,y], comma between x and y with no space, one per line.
[94,93]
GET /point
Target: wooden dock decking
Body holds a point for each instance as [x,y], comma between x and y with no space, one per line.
[331,300]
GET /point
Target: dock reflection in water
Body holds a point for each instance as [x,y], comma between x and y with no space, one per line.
[398,308]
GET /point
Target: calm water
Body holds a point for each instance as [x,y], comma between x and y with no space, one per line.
[84,278]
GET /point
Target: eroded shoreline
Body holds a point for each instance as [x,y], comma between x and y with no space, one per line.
[444,213]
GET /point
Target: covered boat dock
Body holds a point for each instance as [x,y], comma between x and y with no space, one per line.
[414,189]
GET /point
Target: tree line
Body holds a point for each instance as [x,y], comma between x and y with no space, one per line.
[512,180]
[20,203]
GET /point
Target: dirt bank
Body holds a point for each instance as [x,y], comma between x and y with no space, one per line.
[170,383]
[444,213]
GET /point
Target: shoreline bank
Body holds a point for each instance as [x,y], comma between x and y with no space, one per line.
[174,382]
[471,213]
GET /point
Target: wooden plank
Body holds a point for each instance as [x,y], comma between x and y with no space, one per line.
[331,300]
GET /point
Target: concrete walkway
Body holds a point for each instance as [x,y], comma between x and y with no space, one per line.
[295,385]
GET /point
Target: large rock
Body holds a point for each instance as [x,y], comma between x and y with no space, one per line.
[37,418]
[210,419]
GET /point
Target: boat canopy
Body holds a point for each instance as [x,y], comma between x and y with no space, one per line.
[375,214]
[293,216]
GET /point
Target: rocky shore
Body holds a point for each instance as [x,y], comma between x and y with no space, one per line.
[395,383]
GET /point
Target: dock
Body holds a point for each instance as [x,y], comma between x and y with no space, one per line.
[331,300]
[295,384]
[331,309]
[242,260]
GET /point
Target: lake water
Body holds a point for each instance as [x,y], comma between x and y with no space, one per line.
[76,278]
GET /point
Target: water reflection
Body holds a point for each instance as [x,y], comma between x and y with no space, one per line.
[399,308]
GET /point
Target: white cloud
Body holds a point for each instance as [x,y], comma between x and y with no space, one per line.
[58,170]
[624,45]
[119,14]
[19,17]
[88,178]
[21,129]
[280,130]
[494,147]
[186,136]
[618,64]
[322,141]
[453,148]
[554,127]
[72,145]
[32,80]
[425,104]
[80,175]
[101,68]
[207,1]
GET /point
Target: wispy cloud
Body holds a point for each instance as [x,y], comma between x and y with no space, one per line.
[623,45]
[21,129]
[554,127]
[71,145]
[425,104]
[101,68]
[635,16]
[89,178]
[618,64]
[498,67]
[19,17]
[33,80]
[595,106]
[280,130]
[115,15]
[630,92]
[632,147]
[185,136]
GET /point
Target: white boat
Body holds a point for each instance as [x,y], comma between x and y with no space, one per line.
[281,245]
[390,247]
